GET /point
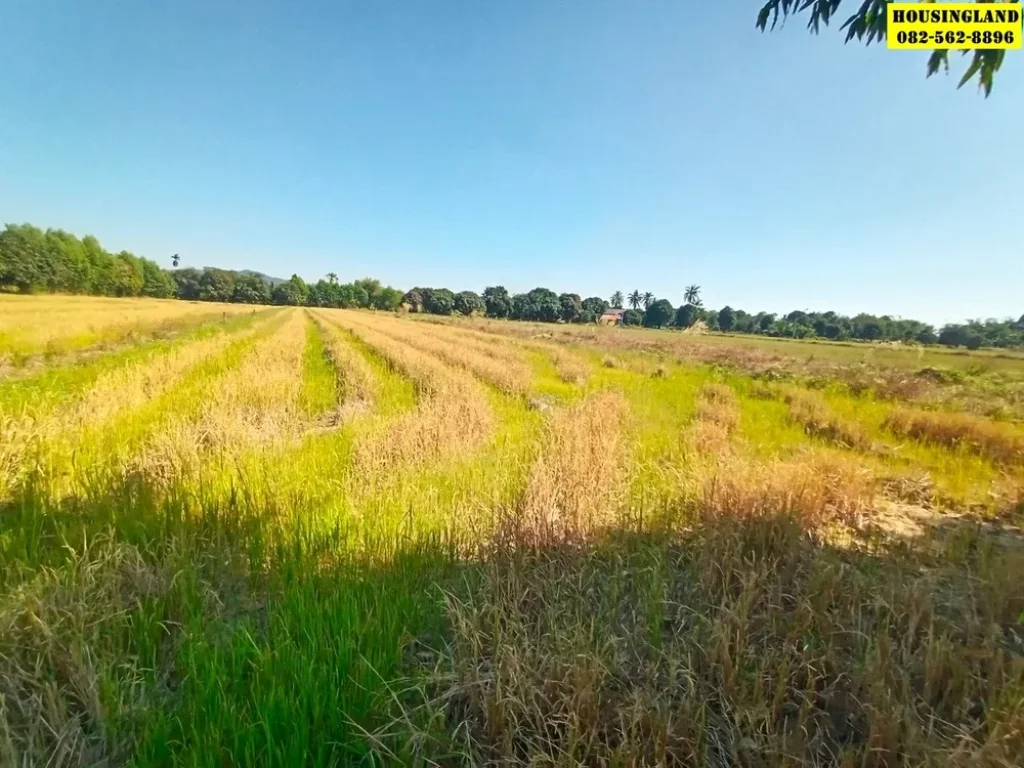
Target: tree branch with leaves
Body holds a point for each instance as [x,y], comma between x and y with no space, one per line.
[868,25]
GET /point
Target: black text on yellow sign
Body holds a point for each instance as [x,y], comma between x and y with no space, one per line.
[917,26]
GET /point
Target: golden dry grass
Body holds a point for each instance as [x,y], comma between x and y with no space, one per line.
[717,416]
[577,485]
[45,434]
[746,643]
[986,381]
[571,368]
[810,410]
[999,441]
[814,488]
[452,414]
[504,371]
[255,405]
[358,380]
[620,585]
[59,324]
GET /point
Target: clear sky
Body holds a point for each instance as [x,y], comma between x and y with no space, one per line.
[585,146]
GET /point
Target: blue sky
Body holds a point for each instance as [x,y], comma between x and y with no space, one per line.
[583,146]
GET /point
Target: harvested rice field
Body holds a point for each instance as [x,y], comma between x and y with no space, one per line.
[300,536]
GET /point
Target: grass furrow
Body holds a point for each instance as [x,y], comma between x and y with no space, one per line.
[335,538]
[509,373]
[452,415]
[83,406]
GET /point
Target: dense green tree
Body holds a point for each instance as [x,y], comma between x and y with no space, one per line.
[468,303]
[387,299]
[687,315]
[659,313]
[539,305]
[647,299]
[101,267]
[520,307]
[542,305]
[497,302]
[156,282]
[186,281]
[68,264]
[290,293]
[300,286]
[571,307]
[354,295]
[127,277]
[632,317]
[726,318]
[317,295]
[23,259]
[250,288]
[216,284]
[438,301]
[414,299]
[595,306]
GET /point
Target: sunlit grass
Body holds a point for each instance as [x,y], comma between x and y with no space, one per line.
[368,548]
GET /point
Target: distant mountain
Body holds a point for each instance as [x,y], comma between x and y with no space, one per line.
[266,278]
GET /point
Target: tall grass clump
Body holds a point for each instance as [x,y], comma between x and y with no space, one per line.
[452,413]
[63,420]
[717,416]
[256,405]
[999,441]
[747,642]
[814,488]
[577,483]
[810,410]
[356,377]
[52,327]
[507,371]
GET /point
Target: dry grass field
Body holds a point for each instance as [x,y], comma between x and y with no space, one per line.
[325,537]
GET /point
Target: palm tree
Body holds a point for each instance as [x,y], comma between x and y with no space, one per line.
[692,295]
[634,299]
[332,277]
[648,299]
[174,260]
[617,299]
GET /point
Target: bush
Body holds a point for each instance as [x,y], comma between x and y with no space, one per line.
[659,314]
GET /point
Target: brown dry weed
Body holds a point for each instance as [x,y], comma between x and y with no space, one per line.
[999,441]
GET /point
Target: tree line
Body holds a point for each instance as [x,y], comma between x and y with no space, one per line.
[645,309]
[56,261]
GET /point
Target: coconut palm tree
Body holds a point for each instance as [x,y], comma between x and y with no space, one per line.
[174,260]
[617,299]
[634,299]
[692,295]
[647,299]
[332,277]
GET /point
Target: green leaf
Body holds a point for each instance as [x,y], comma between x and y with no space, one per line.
[971,70]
